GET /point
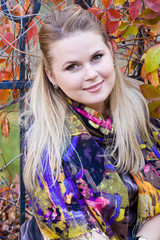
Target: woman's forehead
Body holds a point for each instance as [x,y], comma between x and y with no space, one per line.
[80,43]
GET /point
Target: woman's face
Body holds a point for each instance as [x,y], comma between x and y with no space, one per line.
[83,68]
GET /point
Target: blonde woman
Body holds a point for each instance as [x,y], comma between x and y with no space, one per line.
[91,167]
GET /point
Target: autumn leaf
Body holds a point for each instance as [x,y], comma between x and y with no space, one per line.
[106,3]
[154,28]
[4,95]
[59,2]
[143,74]
[149,14]
[5,127]
[153,78]
[113,26]
[97,12]
[32,33]
[152,21]
[154,109]
[114,13]
[135,8]
[10,38]
[123,26]
[152,59]
[153,4]
[150,92]
[119,2]
[130,30]
[15,94]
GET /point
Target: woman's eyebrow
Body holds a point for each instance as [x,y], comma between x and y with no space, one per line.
[75,61]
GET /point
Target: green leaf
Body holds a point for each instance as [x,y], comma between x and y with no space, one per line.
[130,30]
[154,109]
[152,59]
[150,92]
[149,14]
[152,21]
[123,26]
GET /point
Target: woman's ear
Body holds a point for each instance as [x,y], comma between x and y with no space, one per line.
[49,75]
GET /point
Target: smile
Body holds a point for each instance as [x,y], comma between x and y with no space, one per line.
[94,88]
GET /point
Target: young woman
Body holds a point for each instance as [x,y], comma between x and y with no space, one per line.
[91,167]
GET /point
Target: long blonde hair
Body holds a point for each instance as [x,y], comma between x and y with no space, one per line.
[47,107]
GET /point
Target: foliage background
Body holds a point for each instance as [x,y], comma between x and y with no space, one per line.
[133,28]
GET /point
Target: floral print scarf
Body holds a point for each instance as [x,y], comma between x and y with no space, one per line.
[89,194]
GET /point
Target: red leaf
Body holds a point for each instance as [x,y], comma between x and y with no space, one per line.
[10,38]
[135,8]
[5,127]
[106,3]
[114,45]
[114,13]
[95,10]
[32,33]
[153,4]
[113,26]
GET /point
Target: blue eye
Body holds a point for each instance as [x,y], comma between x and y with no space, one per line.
[71,67]
[97,57]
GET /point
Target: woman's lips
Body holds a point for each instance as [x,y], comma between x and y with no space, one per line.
[94,88]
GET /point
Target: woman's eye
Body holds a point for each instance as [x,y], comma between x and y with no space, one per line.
[71,67]
[97,57]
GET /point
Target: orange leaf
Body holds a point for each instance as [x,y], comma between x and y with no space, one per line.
[5,127]
[2,60]
[153,78]
[106,3]
[57,2]
[4,95]
[143,74]
[15,94]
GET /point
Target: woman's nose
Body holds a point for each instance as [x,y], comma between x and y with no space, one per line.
[90,72]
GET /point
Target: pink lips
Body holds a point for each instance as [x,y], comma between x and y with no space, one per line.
[94,88]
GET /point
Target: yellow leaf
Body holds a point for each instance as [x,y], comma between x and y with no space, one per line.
[143,57]
[130,30]
[123,26]
[155,28]
[119,2]
[152,59]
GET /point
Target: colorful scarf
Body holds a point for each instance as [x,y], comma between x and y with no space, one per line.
[89,193]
